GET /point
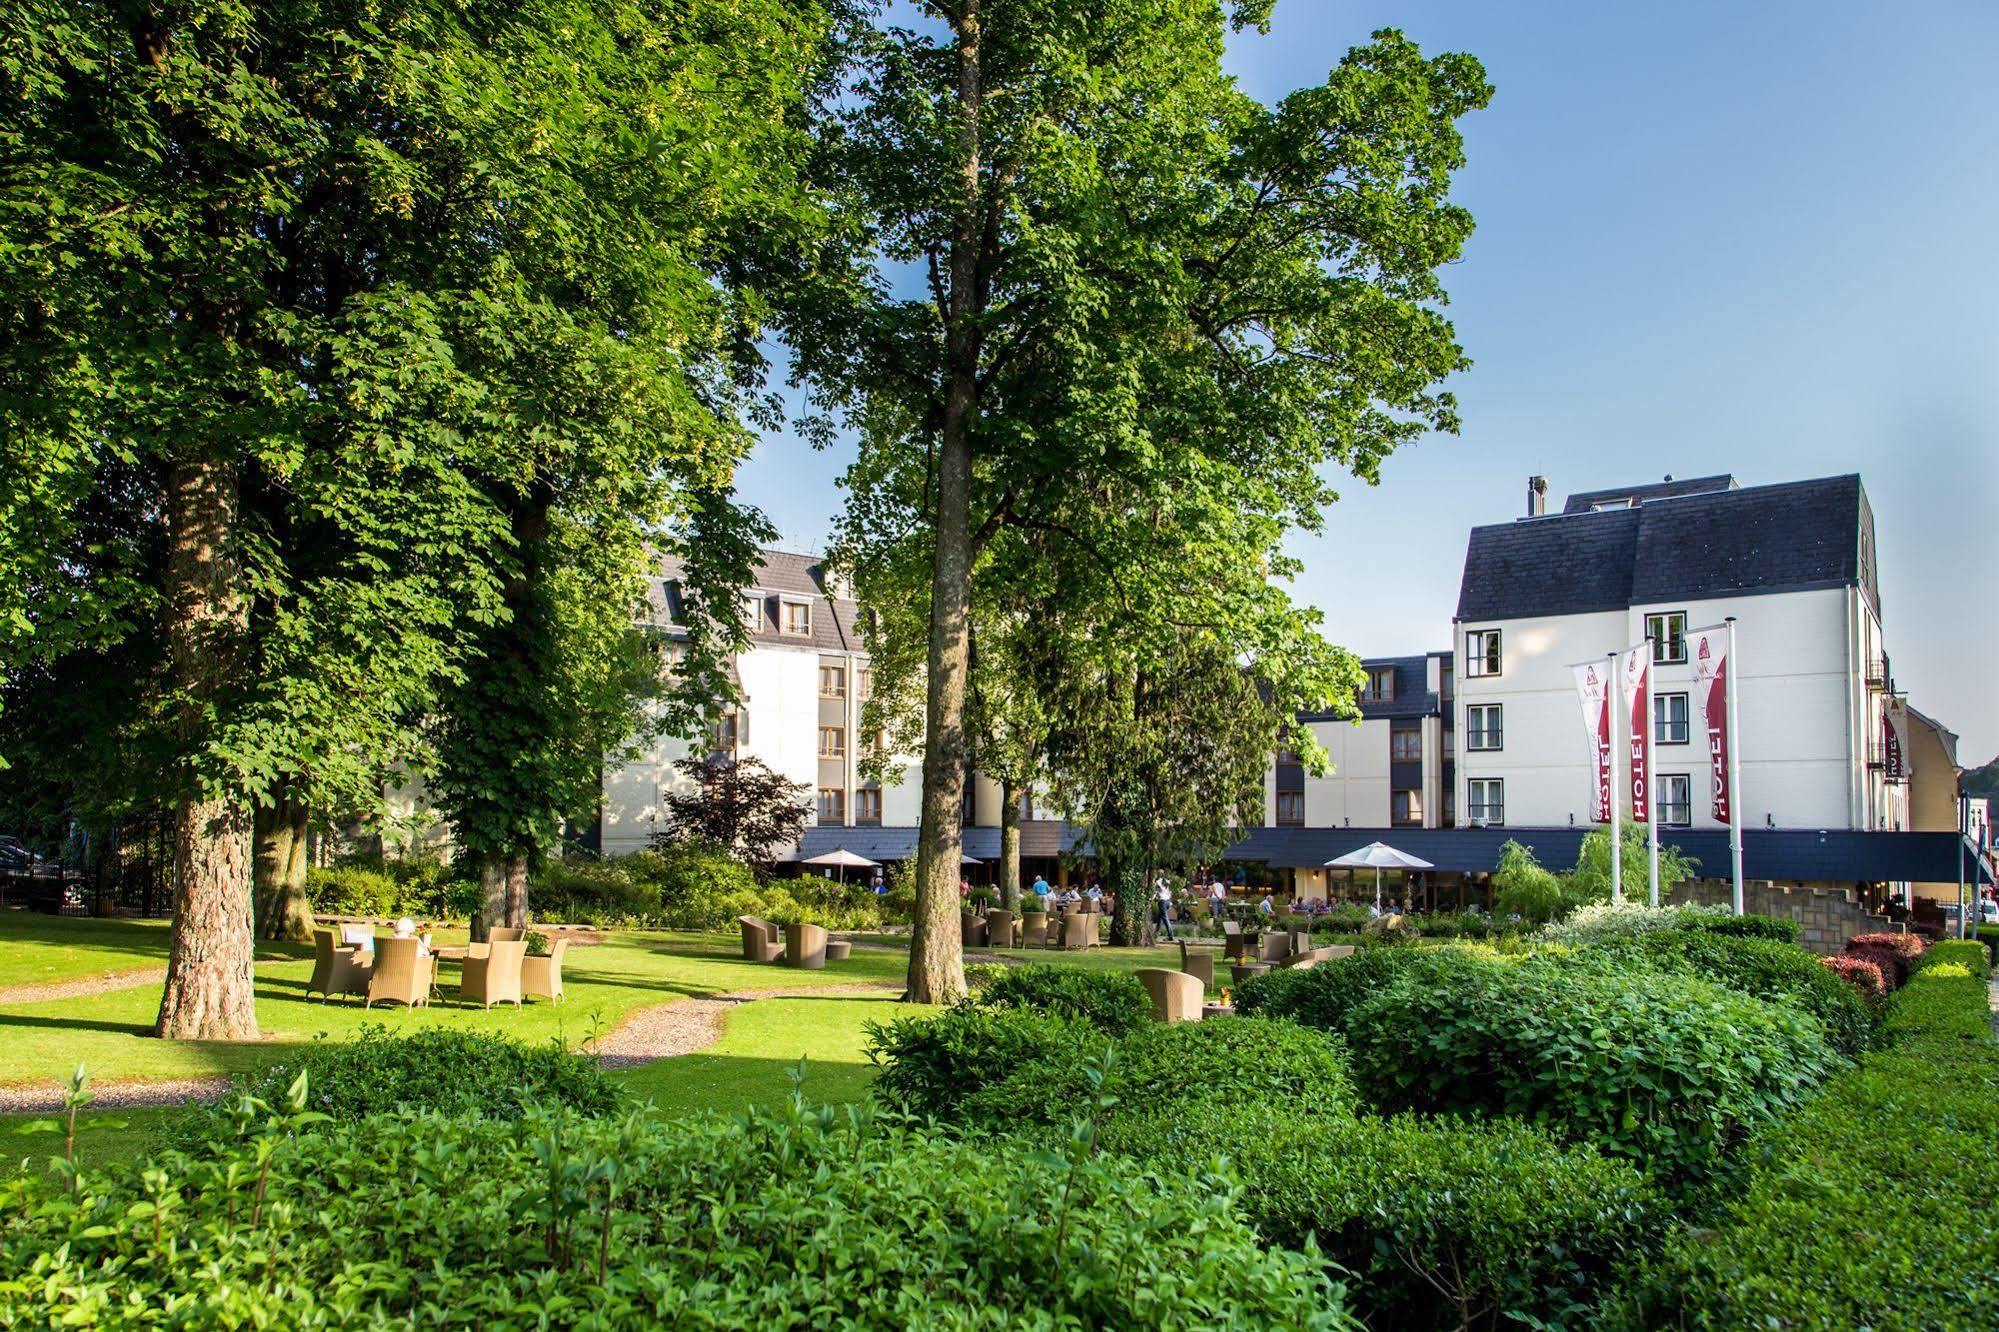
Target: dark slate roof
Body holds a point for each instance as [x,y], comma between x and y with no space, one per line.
[1781,538]
[1587,500]
[835,619]
[1039,839]
[1413,695]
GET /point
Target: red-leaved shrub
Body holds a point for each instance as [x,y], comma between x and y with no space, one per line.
[1862,974]
[1895,954]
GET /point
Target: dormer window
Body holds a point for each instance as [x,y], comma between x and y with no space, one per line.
[753,612]
[1380,684]
[670,596]
[798,618]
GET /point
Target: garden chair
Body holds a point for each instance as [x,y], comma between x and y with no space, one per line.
[1273,947]
[1198,963]
[505,934]
[1034,930]
[972,927]
[1176,996]
[1075,929]
[543,975]
[1235,944]
[761,940]
[401,974]
[1001,928]
[1301,941]
[338,968]
[494,978]
[805,946]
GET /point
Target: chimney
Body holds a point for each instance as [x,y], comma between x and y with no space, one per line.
[1537,496]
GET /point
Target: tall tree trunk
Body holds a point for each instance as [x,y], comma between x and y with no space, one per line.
[493,896]
[282,835]
[1009,866]
[209,993]
[936,953]
[517,892]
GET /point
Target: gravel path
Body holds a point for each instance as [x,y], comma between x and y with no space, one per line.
[102,983]
[43,1098]
[665,1030]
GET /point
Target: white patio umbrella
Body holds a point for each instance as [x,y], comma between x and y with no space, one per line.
[1378,856]
[843,858]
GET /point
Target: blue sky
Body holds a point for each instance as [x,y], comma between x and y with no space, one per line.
[1756,239]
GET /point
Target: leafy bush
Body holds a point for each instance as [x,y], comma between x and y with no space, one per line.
[1162,1067]
[1346,918]
[1763,967]
[1111,1001]
[1666,1069]
[1861,974]
[1448,1223]
[1895,954]
[378,1072]
[931,1064]
[1598,921]
[346,890]
[592,893]
[1989,936]
[1326,995]
[1747,926]
[804,1216]
[1522,887]
[1871,1208]
[383,888]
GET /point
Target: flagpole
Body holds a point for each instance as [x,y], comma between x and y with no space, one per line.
[1651,743]
[1734,668]
[1613,698]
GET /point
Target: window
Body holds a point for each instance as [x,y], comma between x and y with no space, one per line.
[864,683]
[1287,758]
[670,600]
[1606,506]
[1485,726]
[1446,677]
[877,742]
[868,805]
[671,653]
[1487,800]
[1482,652]
[1290,809]
[753,613]
[1405,745]
[1669,719]
[726,732]
[832,742]
[798,618]
[832,805]
[1450,816]
[1380,684]
[1406,807]
[832,682]
[1676,801]
[1669,637]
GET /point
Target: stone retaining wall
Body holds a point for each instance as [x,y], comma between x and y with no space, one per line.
[1829,916]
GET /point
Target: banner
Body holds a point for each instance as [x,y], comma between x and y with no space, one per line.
[1638,693]
[1895,741]
[1711,668]
[1593,691]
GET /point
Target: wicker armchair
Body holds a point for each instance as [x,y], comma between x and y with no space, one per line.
[496,977]
[1198,963]
[1176,996]
[761,940]
[401,974]
[1273,947]
[1235,944]
[971,929]
[1077,927]
[1002,929]
[338,968]
[543,975]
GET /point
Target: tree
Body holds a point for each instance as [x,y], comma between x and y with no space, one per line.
[739,804]
[1147,298]
[1589,881]
[327,294]
[1521,887]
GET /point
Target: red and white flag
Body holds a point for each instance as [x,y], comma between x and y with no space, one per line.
[1895,741]
[1638,693]
[1593,692]
[1711,668]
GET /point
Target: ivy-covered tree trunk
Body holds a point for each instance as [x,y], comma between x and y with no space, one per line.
[516,899]
[209,994]
[936,953]
[1009,863]
[282,834]
[492,897]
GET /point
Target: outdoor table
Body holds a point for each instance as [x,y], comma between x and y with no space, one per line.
[455,953]
[1244,970]
[1217,1010]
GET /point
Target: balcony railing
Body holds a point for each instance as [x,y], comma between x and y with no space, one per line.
[1879,676]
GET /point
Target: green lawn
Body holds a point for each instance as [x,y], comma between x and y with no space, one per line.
[35,947]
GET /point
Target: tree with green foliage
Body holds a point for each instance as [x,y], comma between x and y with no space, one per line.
[1149,303]
[1523,888]
[1589,880]
[322,301]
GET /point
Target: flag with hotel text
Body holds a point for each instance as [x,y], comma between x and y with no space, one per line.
[1709,647]
[1638,695]
[1593,692]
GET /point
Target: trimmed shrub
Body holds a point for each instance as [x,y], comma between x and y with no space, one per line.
[1598,921]
[1111,1001]
[347,890]
[1864,976]
[1448,1223]
[1871,1208]
[1162,1067]
[931,1064]
[1749,927]
[1665,1069]
[1324,996]
[804,1217]
[1763,967]
[1989,936]
[456,1072]
[1895,954]
[586,892]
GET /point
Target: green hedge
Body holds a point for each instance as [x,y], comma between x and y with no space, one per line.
[800,1219]
[1112,1001]
[928,1065]
[1780,928]
[1874,1207]
[1989,936]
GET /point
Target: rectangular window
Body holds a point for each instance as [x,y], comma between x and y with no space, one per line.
[832,682]
[1287,758]
[868,805]
[832,805]
[1676,801]
[1485,726]
[1445,674]
[1407,808]
[1405,745]
[1669,719]
[1380,684]
[1290,809]
[798,618]
[1482,655]
[832,742]
[1450,814]
[864,683]
[725,733]
[753,613]
[1668,633]
[1487,797]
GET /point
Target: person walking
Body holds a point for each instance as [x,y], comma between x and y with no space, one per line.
[1164,890]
